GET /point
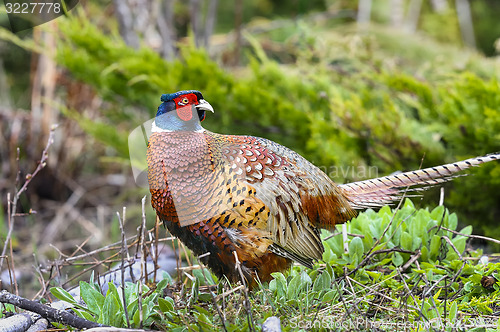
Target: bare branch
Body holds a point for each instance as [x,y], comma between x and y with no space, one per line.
[45,311]
[13,206]
[465,21]
[210,22]
[479,237]
[246,303]
[195,11]
[364,11]
[122,267]
[214,298]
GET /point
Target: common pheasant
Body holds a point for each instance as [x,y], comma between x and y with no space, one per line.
[251,199]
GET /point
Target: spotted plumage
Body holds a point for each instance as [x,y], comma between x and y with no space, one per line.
[226,194]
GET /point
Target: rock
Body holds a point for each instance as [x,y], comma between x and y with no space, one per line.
[272,324]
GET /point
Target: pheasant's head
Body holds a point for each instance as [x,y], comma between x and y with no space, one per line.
[181,111]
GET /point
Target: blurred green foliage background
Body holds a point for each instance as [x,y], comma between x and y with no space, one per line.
[308,75]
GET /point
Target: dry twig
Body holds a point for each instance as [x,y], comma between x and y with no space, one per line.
[479,237]
[12,205]
[122,267]
[214,299]
[45,311]
[246,303]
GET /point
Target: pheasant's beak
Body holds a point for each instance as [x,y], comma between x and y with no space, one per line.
[204,105]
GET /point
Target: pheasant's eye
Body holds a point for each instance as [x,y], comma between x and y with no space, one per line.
[183,102]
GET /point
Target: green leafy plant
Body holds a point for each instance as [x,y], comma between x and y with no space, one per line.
[110,310]
[412,262]
[6,308]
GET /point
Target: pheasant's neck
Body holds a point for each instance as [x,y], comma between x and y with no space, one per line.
[156,129]
[183,177]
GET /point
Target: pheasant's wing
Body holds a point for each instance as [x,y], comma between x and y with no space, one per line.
[384,190]
[299,196]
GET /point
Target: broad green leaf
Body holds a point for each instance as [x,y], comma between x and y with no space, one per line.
[406,241]
[452,221]
[148,319]
[329,296]
[146,307]
[438,292]
[201,310]
[91,279]
[91,297]
[328,253]
[153,297]
[136,317]
[419,227]
[294,287]
[452,316]
[434,247]
[356,250]
[111,314]
[466,230]
[409,204]
[437,213]
[336,246]
[459,242]
[130,291]
[132,307]
[397,259]
[374,227]
[323,281]
[194,291]
[161,285]
[166,304]
[84,314]
[63,295]
[112,290]
[330,271]
[281,284]
[166,276]
[424,254]
[204,276]
[272,285]
[375,275]
[385,210]
[313,274]
[305,279]
[204,321]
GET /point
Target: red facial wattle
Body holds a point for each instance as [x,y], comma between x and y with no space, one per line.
[185,113]
[184,106]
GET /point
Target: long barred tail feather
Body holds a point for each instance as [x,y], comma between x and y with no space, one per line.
[384,190]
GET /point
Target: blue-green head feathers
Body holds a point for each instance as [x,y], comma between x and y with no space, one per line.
[171,96]
[182,110]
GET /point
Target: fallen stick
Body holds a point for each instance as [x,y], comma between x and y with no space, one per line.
[47,312]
